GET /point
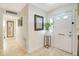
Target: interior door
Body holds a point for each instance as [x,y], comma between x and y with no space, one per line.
[63,31]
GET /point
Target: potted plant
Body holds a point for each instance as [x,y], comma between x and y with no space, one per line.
[47,27]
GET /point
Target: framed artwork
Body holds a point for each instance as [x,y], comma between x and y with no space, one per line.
[38,22]
[10,28]
[20,21]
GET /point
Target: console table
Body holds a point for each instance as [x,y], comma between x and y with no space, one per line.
[47,41]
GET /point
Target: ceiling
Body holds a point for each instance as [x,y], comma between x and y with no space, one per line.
[48,6]
[12,6]
[18,6]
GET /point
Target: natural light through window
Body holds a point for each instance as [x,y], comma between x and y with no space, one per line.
[51,28]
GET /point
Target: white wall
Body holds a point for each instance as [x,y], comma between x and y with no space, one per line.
[21,32]
[35,37]
[1,31]
[26,34]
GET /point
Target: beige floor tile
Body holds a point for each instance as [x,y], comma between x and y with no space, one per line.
[50,52]
[14,49]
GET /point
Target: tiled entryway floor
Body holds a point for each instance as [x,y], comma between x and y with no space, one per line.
[12,48]
[50,52]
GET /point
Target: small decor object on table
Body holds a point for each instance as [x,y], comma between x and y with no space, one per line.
[47,36]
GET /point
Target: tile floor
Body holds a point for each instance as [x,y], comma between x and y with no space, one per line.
[50,52]
[13,49]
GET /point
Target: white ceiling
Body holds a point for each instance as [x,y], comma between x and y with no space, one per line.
[12,6]
[18,6]
[48,6]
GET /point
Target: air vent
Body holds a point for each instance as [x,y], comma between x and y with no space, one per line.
[11,12]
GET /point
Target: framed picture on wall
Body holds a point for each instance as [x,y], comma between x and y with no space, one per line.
[10,29]
[20,21]
[38,22]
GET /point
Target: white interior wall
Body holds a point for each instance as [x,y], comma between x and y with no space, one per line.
[35,37]
[1,30]
[22,33]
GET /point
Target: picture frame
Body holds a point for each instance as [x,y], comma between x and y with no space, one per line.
[38,22]
[20,21]
[10,29]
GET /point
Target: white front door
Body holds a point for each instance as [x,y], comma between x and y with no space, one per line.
[63,31]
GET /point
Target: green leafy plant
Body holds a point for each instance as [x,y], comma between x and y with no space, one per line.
[48,25]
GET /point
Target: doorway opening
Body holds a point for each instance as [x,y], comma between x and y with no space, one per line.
[9,32]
